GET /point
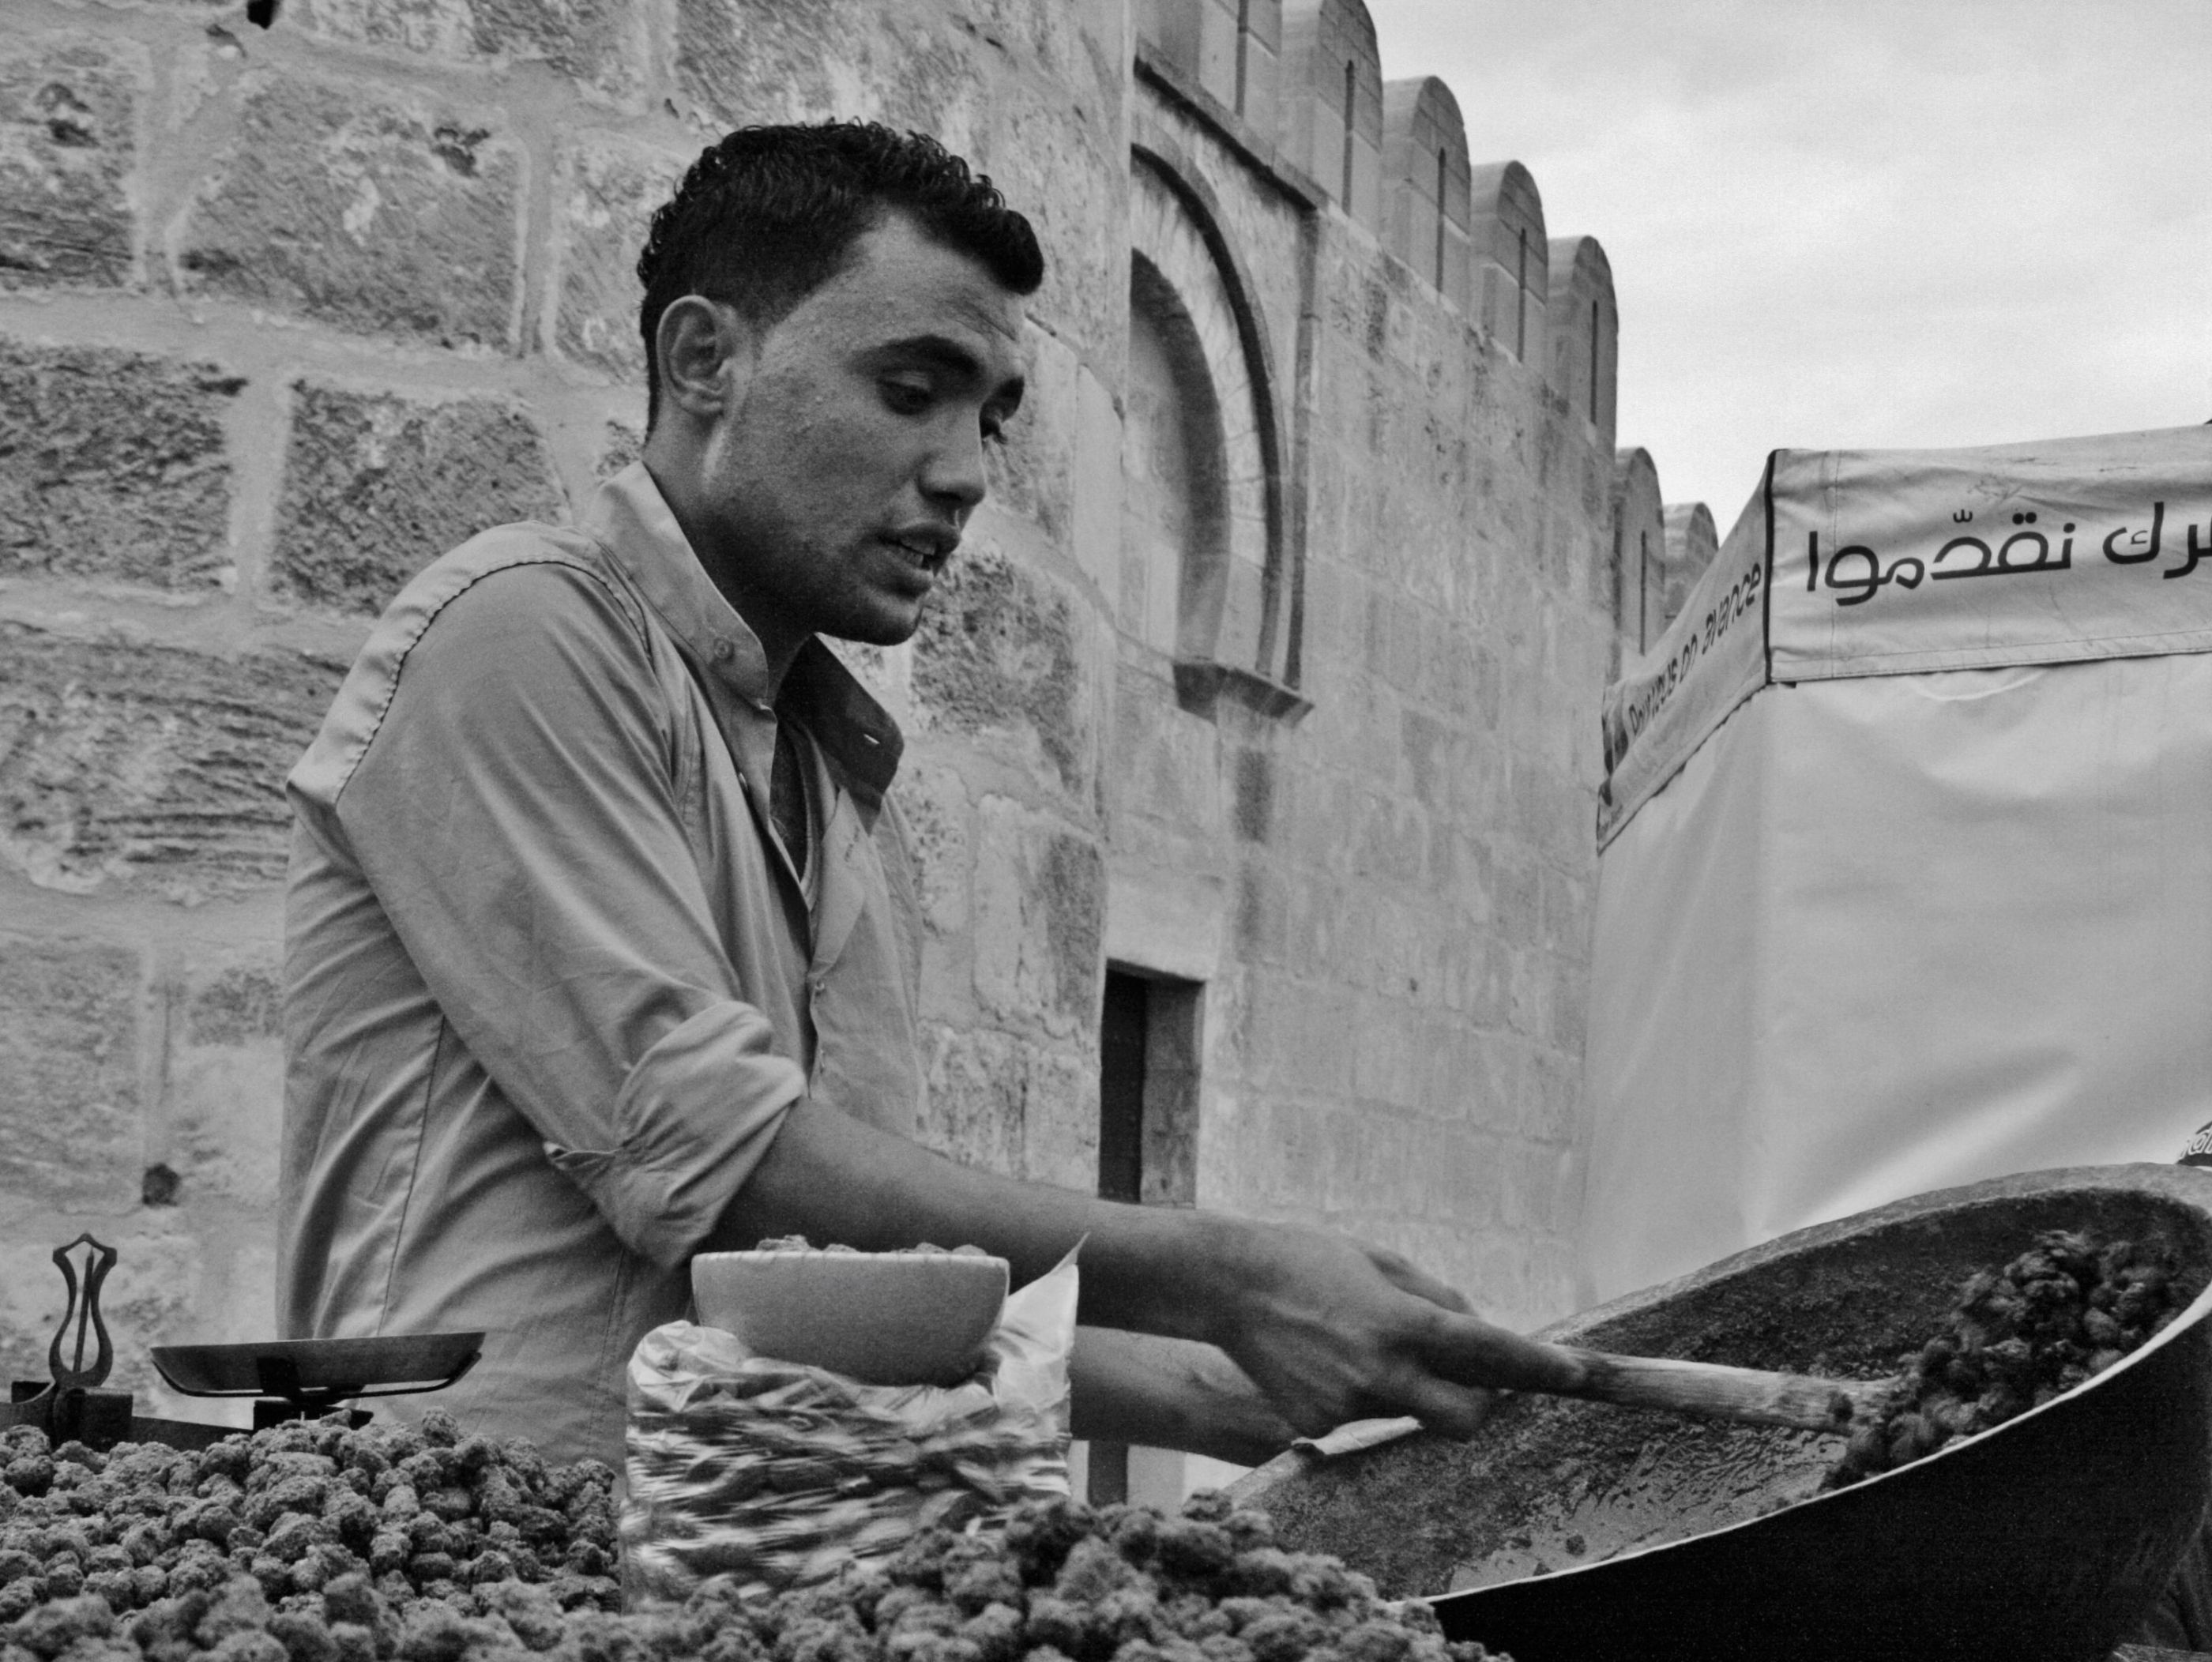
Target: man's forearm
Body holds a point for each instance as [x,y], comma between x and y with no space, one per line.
[831,1178]
[1329,1329]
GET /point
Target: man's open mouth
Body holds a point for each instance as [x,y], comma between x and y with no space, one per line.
[928,549]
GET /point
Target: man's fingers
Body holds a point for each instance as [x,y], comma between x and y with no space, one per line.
[1456,1412]
[1406,1278]
[1463,1349]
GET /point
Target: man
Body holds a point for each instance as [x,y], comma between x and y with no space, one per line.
[601,940]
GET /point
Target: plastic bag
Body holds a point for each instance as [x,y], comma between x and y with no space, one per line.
[777,1475]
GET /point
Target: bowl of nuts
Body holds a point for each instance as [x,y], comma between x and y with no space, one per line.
[917,1316]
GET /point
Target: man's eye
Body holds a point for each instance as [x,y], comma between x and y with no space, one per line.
[908,397]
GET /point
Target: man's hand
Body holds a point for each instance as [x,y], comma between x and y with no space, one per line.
[1332,1330]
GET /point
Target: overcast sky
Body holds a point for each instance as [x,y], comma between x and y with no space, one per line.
[1861,223]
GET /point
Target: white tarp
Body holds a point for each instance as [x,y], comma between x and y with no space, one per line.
[1907,877]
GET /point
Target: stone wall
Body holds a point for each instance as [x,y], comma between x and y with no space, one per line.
[1294,706]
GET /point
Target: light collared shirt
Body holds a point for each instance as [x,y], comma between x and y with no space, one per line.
[552,984]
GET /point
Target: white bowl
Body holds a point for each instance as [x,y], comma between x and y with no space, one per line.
[880,1317]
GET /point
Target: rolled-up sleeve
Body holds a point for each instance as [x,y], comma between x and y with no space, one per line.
[517,811]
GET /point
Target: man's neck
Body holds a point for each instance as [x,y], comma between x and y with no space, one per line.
[780,646]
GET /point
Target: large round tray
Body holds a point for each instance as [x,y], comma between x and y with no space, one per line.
[1578,1532]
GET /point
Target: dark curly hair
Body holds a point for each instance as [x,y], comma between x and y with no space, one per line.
[766,215]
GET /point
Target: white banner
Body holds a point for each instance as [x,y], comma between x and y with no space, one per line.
[1887,562]
[1851,563]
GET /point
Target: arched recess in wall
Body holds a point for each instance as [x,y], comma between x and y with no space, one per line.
[1639,551]
[1332,103]
[1512,257]
[1203,482]
[1425,195]
[1585,330]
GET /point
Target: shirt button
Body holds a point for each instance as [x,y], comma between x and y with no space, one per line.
[723,649]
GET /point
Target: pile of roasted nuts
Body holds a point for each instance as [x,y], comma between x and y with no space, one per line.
[2061,1312]
[315,1542]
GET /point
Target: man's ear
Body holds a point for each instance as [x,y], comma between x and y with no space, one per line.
[706,350]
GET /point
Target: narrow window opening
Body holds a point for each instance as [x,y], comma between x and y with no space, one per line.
[1620,575]
[1350,93]
[1521,303]
[1440,219]
[1643,592]
[1595,338]
[1244,47]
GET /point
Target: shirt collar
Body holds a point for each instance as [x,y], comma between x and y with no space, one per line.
[632,521]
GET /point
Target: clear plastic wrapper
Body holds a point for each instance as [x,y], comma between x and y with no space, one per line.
[775,1475]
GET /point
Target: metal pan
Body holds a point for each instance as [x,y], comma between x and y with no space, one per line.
[394,1365]
[1568,1531]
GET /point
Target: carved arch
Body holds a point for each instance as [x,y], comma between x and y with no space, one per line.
[1238,612]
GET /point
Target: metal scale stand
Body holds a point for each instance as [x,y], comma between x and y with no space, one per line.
[288,1379]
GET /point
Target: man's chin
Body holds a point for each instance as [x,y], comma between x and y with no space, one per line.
[878,629]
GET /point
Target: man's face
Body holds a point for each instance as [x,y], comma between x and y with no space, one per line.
[837,483]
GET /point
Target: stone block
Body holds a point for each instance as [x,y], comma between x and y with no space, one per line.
[939,823]
[1040,906]
[1063,165]
[1297,1036]
[366,210]
[739,62]
[1165,762]
[112,466]
[1536,1190]
[1386,1053]
[620,444]
[1060,1140]
[972,1110]
[606,192]
[69,1133]
[1388,842]
[1263,918]
[1034,472]
[149,768]
[598,44]
[67,109]
[1097,483]
[1166,920]
[1009,1106]
[376,485]
[1252,795]
[997,651]
[223,1085]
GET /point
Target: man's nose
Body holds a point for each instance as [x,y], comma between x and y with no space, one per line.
[954,476]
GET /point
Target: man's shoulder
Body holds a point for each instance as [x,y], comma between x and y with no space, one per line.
[533,565]
[487,601]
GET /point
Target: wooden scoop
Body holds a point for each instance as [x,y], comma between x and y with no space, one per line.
[1716,1392]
